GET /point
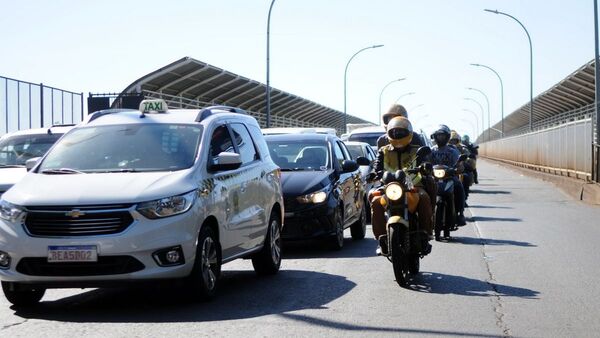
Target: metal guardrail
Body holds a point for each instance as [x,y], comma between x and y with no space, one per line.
[276,121]
[26,105]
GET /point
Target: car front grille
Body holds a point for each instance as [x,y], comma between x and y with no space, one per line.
[106,265]
[64,221]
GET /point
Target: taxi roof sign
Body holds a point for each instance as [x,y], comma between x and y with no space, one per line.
[153,106]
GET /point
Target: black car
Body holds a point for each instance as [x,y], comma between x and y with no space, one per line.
[322,187]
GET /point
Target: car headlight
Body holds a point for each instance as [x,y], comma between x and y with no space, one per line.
[10,212]
[393,191]
[169,206]
[315,197]
[439,173]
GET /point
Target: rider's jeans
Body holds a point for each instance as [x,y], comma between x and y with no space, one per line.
[459,195]
[424,211]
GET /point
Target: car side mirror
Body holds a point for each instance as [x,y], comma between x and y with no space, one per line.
[349,166]
[361,160]
[423,151]
[226,161]
[30,163]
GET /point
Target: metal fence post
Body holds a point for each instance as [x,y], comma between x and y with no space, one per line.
[41,105]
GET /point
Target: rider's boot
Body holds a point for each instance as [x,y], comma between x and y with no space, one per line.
[460,220]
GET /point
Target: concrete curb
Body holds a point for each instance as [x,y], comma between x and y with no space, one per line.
[588,192]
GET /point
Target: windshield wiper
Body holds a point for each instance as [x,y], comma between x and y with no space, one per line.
[61,171]
[293,169]
[124,170]
[12,166]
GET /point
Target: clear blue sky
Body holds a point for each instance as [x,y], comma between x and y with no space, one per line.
[102,46]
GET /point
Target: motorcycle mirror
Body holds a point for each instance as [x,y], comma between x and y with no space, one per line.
[423,151]
[400,176]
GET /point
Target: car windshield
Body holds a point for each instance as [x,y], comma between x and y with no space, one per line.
[16,150]
[355,151]
[125,148]
[300,154]
[370,138]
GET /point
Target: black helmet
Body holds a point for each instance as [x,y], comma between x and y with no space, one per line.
[441,135]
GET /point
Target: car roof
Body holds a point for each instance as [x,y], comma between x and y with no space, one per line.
[369,130]
[176,116]
[58,129]
[308,137]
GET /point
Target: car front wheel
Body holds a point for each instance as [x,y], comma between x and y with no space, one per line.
[204,278]
[22,297]
[268,260]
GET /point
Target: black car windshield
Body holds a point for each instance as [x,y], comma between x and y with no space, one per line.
[16,150]
[370,138]
[355,151]
[300,154]
[125,148]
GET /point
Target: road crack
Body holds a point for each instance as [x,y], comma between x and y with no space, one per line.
[13,325]
[491,281]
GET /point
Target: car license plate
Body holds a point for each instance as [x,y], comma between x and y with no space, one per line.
[77,253]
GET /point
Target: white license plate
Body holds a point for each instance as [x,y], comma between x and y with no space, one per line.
[77,253]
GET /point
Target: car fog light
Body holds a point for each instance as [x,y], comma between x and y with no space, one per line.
[172,256]
[169,256]
[4,260]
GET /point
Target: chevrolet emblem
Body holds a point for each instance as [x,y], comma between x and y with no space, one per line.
[75,213]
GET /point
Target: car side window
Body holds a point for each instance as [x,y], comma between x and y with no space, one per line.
[245,145]
[220,141]
[339,153]
[347,155]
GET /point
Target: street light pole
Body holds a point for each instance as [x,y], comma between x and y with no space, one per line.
[597,78]
[481,108]
[381,94]
[403,95]
[268,66]
[501,91]
[488,109]
[415,107]
[530,64]
[476,119]
[345,78]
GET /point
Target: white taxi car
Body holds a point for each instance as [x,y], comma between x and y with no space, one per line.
[142,195]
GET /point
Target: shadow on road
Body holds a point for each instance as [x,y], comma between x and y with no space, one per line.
[494,219]
[488,207]
[438,283]
[320,249]
[366,328]
[241,295]
[489,241]
[490,192]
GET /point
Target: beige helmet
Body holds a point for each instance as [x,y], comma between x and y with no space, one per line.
[394,111]
[454,137]
[399,132]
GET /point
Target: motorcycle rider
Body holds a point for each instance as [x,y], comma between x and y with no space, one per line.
[466,141]
[397,110]
[399,154]
[467,173]
[444,154]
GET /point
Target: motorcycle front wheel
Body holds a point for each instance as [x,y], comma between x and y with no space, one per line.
[399,259]
[414,264]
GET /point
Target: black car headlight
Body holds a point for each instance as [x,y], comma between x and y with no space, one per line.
[315,197]
[169,206]
[10,212]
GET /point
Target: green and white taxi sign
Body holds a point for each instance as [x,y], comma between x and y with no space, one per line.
[153,106]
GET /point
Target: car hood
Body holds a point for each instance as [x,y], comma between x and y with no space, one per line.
[101,188]
[10,176]
[297,183]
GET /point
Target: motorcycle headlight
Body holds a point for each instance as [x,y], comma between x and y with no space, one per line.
[315,197]
[439,173]
[393,191]
[169,206]
[10,212]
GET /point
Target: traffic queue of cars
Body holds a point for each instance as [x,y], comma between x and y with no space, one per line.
[155,194]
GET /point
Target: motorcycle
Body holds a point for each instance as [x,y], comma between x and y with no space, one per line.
[445,214]
[404,243]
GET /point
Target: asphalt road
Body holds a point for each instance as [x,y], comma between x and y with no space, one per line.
[526,265]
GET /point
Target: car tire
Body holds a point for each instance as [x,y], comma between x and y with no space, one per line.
[337,239]
[268,260]
[22,298]
[358,229]
[203,280]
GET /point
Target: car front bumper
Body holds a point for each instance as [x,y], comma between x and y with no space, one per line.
[309,221]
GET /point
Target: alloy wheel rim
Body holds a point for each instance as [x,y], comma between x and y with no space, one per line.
[275,242]
[209,262]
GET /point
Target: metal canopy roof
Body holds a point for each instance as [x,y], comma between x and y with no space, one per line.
[575,92]
[188,83]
